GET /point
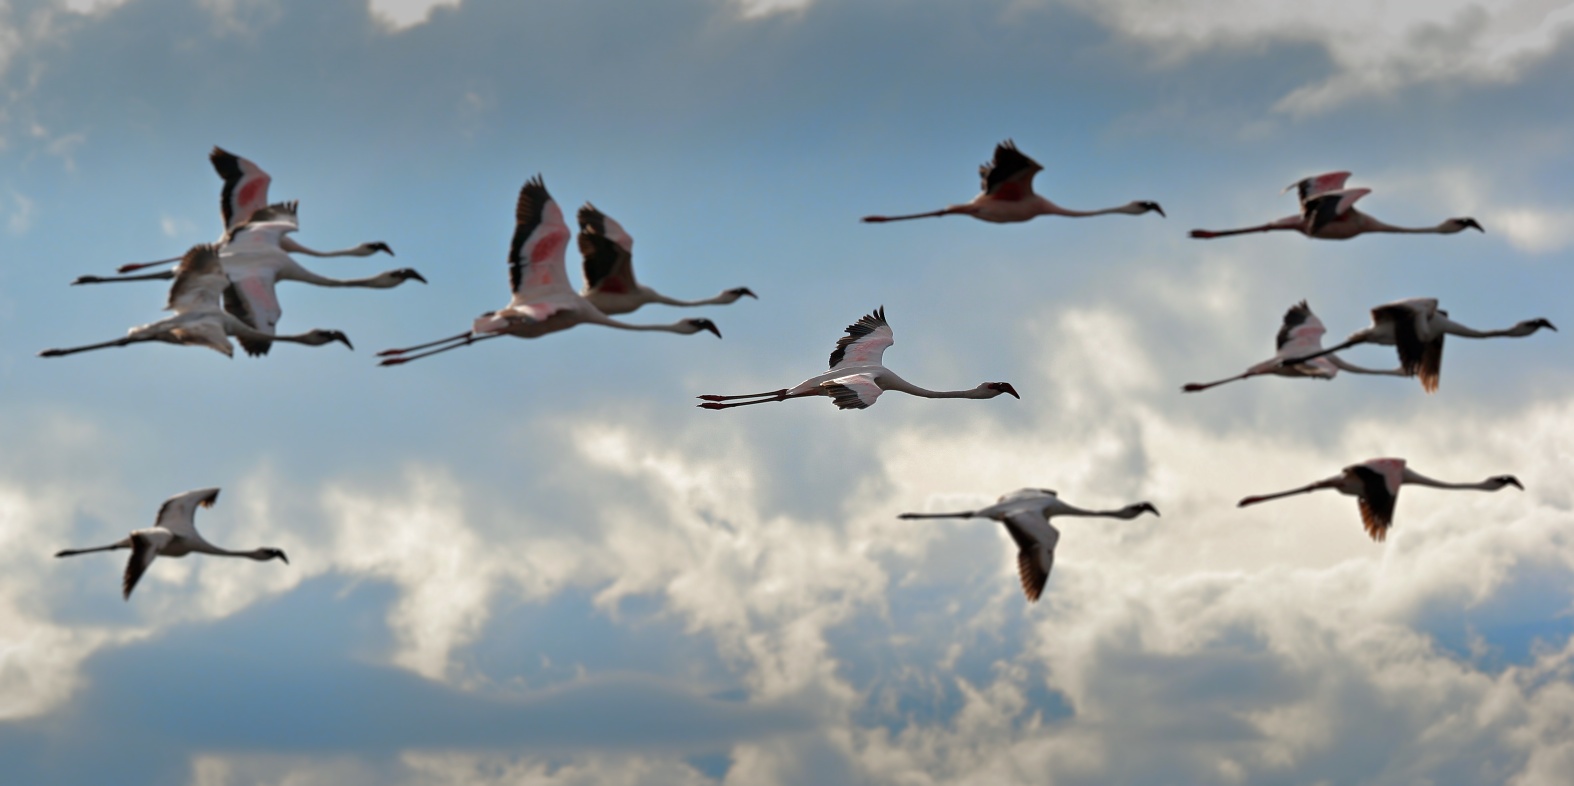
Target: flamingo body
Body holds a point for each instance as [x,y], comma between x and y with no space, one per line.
[1375,485]
[1328,213]
[857,375]
[1300,334]
[1025,513]
[543,301]
[173,534]
[610,286]
[1007,195]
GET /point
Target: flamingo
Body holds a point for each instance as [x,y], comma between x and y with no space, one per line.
[173,534]
[1416,328]
[1328,213]
[1375,483]
[543,300]
[199,319]
[857,378]
[1008,195]
[609,269]
[1026,514]
[1301,333]
[255,258]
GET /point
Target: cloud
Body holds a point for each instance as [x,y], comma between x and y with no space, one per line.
[402,14]
[1376,49]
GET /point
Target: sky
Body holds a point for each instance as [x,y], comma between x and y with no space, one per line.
[538,563]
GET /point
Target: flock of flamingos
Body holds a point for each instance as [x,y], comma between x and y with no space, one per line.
[227,288]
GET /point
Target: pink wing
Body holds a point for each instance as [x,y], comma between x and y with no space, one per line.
[535,258]
[245,187]
[865,342]
[1316,185]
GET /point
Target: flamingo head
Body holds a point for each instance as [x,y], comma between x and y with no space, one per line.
[1461,224]
[1144,206]
[696,325]
[406,274]
[265,554]
[738,292]
[999,387]
[1499,481]
[321,336]
[1536,324]
[1142,507]
[368,249]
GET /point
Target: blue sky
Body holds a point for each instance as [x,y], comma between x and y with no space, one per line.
[537,562]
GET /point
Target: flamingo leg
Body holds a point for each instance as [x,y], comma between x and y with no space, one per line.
[461,340]
[388,352]
[119,342]
[168,274]
[1194,387]
[778,393]
[931,214]
[139,265]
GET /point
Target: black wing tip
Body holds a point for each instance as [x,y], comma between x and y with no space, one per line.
[533,197]
[591,219]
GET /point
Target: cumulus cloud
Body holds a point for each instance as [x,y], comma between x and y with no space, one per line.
[1375,48]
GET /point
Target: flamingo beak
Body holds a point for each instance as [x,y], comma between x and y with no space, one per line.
[744,292]
[1005,387]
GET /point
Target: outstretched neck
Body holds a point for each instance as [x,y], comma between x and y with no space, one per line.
[1418,479]
[890,381]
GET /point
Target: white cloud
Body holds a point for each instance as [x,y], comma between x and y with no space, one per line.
[1375,47]
[21,214]
[401,14]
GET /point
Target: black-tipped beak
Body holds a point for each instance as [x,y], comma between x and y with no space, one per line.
[711,326]
[1005,387]
[346,339]
[283,558]
[411,274]
[1470,222]
[1148,506]
[383,247]
[1513,481]
[1154,206]
[744,292]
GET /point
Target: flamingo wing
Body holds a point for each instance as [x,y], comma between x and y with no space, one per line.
[1302,332]
[178,513]
[1379,481]
[535,257]
[865,342]
[1009,177]
[199,280]
[1324,209]
[608,252]
[855,391]
[1309,187]
[251,297]
[1406,319]
[145,546]
[1035,538]
[245,186]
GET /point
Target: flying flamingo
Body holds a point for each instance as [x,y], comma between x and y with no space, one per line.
[255,260]
[199,318]
[1008,195]
[1328,212]
[1375,484]
[543,300]
[1026,514]
[173,534]
[1301,334]
[857,378]
[609,269]
[245,192]
[1416,328]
